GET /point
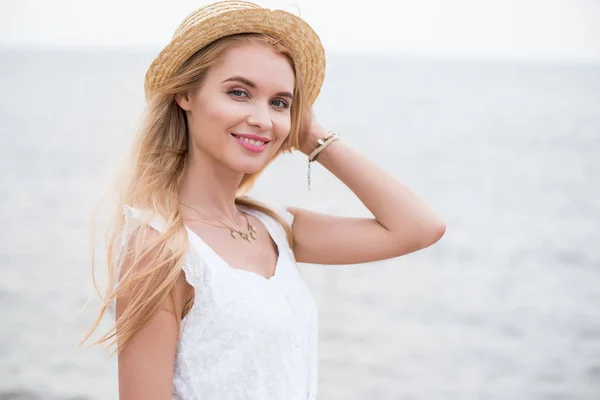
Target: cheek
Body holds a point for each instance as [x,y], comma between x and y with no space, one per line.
[211,120]
[219,112]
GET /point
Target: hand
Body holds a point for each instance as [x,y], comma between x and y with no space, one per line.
[313,131]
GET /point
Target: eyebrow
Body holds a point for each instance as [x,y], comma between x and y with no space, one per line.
[253,85]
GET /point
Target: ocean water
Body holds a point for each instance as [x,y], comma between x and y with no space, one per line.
[505,306]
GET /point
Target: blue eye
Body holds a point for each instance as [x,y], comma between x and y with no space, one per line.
[282,104]
[237,93]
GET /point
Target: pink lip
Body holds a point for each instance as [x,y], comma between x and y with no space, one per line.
[249,146]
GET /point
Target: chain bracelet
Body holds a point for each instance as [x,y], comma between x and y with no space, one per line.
[308,175]
[323,142]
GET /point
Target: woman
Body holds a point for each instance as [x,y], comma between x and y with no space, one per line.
[209,300]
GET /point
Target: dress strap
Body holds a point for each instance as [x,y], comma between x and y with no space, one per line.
[194,266]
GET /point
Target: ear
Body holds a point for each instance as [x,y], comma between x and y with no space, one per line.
[184,101]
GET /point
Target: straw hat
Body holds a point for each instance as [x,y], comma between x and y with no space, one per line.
[225,18]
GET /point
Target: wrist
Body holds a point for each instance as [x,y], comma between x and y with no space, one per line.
[322,144]
[321,152]
[330,154]
[311,140]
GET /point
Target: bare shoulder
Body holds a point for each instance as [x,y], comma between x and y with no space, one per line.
[145,365]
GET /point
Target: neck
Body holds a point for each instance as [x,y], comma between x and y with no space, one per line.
[210,187]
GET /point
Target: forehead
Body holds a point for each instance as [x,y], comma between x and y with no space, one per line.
[258,63]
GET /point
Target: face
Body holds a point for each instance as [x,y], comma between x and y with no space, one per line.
[241,114]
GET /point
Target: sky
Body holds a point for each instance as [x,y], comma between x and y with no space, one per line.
[530,29]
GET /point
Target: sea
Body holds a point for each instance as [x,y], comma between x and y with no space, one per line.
[505,306]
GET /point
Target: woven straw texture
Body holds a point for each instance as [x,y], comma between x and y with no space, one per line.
[225,18]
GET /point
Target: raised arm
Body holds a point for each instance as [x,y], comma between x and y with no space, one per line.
[402,222]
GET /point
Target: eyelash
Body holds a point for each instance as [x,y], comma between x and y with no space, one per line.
[285,104]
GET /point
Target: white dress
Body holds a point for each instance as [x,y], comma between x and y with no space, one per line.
[246,337]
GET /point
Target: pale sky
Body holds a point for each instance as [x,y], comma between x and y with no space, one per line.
[555,29]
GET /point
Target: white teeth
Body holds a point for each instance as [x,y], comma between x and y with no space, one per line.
[252,141]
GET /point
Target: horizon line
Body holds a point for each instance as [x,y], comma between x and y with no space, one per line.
[155,49]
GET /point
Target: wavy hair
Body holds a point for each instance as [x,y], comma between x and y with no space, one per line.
[149,180]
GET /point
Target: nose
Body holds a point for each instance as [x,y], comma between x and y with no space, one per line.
[260,117]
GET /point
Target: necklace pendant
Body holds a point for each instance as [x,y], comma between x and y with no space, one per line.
[251,228]
[244,236]
[232,233]
[252,235]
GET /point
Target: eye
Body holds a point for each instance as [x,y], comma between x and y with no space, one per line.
[280,103]
[238,93]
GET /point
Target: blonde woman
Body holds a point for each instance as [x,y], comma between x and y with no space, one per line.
[203,280]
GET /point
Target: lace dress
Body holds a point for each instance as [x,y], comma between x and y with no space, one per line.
[246,337]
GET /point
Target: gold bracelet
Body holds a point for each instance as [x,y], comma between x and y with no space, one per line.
[324,142]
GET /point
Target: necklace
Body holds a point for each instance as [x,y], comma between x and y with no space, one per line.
[249,234]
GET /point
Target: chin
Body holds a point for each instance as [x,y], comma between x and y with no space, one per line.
[249,167]
[248,163]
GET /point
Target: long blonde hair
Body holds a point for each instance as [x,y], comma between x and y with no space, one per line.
[149,181]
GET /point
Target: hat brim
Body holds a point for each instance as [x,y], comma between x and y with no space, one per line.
[293,32]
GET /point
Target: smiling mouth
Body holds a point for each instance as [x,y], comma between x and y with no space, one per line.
[252,145]
[251,141]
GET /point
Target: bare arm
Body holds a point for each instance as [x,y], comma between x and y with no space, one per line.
[402,222]
[146,364]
